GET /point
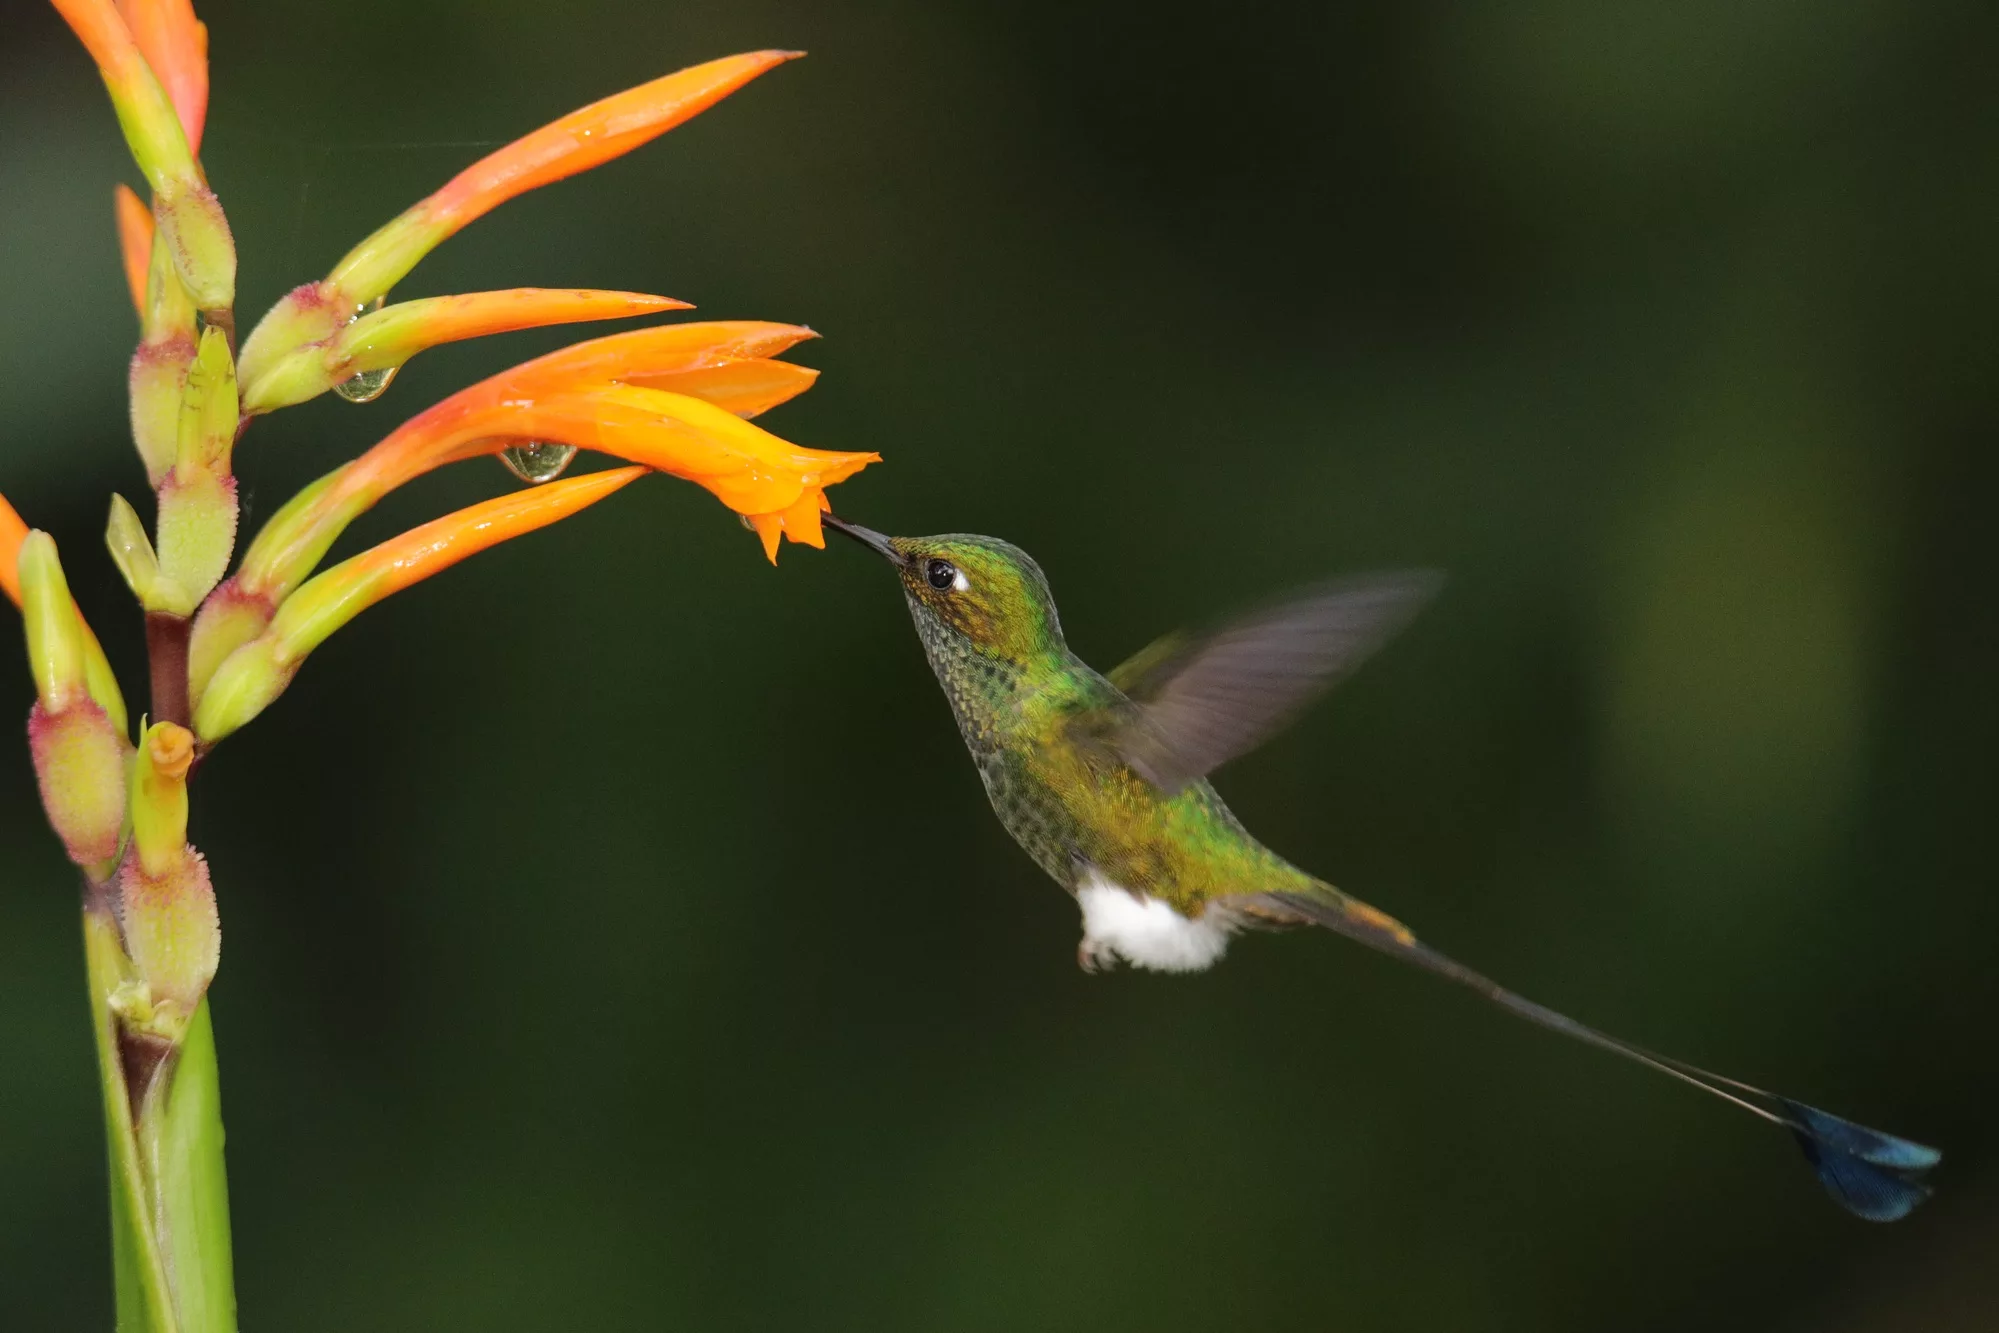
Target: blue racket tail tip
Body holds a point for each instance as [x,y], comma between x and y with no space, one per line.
[1870,1174]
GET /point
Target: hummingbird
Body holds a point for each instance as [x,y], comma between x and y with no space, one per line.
[1103,781]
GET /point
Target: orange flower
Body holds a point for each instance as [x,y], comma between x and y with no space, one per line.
[616,395]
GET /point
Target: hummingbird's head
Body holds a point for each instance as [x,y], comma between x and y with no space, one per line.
[969,592]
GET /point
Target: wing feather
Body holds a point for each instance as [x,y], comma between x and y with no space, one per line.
[1202,702]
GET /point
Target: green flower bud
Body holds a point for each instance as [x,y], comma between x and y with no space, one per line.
[158,381]
[55,638]
[78,753]
[206,432]
[132,551]
[245,684]
[230,618]
[197,533]
[305,316]
[172,934]
[80,767]
[196,236]
[159,796]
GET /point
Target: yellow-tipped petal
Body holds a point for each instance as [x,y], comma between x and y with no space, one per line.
[135,243]
[250,678]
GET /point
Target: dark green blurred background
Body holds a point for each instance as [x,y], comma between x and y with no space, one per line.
[617,936]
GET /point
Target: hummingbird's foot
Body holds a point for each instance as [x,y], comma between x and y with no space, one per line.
[1093,958]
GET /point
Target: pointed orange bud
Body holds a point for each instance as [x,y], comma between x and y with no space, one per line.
[385,339]
[250,678]
[135,243]
[175,44]
[579,141]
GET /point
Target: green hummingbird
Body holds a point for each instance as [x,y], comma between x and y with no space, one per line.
[1103,781]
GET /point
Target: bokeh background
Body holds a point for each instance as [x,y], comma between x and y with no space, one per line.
[617,937]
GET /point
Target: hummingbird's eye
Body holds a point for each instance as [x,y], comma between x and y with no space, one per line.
[941,573]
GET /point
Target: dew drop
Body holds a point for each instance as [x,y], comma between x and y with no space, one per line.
[536,461]
[367,386]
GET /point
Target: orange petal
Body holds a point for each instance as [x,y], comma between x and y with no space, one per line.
[577,142]
[12,533]
[745,388]
[801,521]
[175,44]
[770,530]
[746,467]
[135,243]
[645,355]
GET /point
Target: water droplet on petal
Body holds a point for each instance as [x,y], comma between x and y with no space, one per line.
[536,461]
[367,386]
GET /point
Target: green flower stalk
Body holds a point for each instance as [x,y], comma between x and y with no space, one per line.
[222,648]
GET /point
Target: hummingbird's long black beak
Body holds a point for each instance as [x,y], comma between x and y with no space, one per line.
[867,537]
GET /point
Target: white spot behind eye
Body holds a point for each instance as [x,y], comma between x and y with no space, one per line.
[958,580]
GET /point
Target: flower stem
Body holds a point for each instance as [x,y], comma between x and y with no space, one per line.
[166,655]
[169,1197]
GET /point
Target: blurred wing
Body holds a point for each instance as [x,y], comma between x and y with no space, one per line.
[1870,1174]
[1201,702]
